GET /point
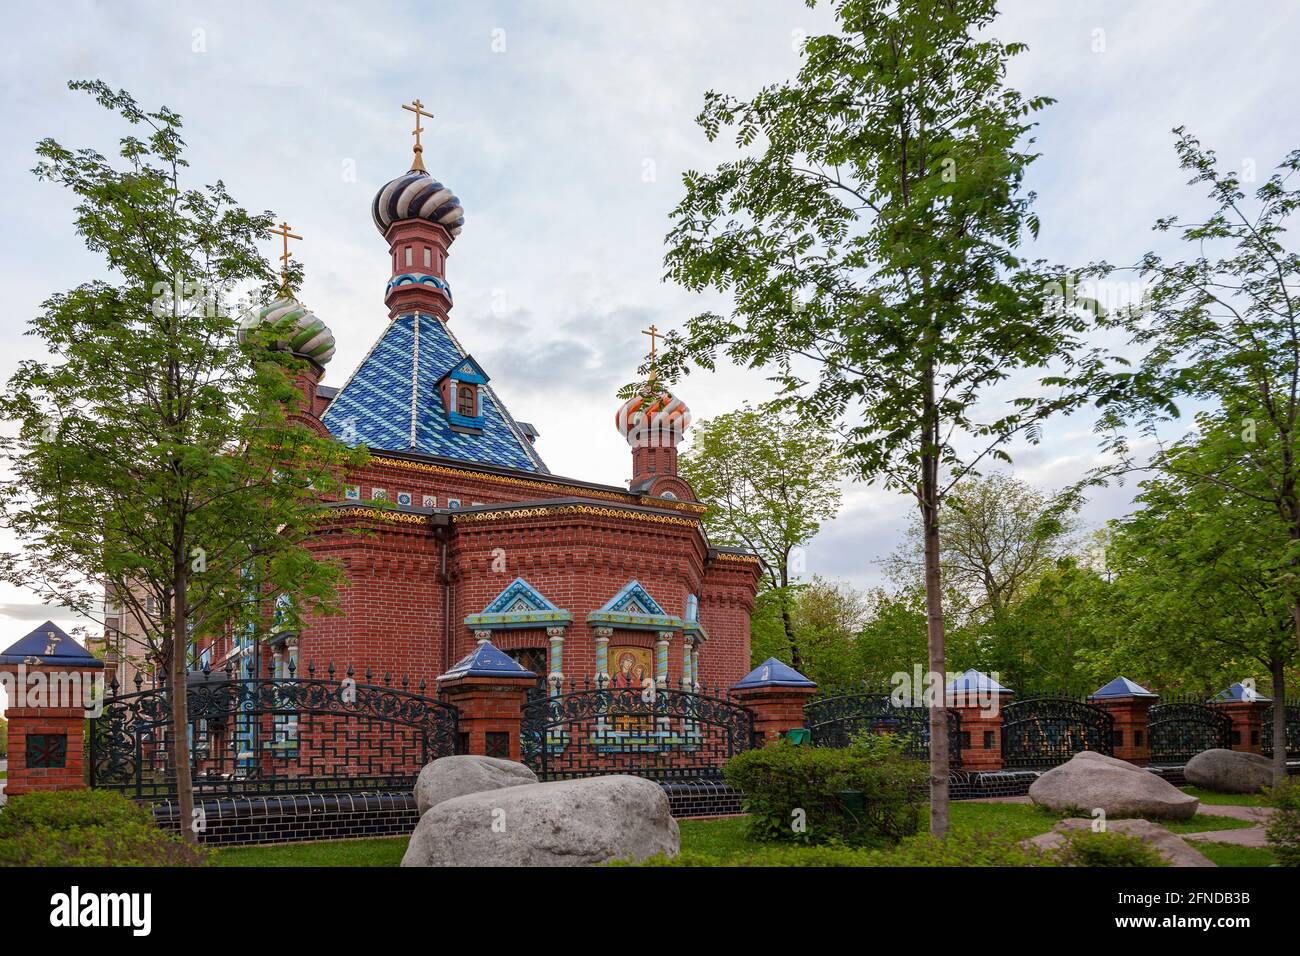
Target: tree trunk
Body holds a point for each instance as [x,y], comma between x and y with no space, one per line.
[796,659]
[1278,667]
[937,663]
[180,717]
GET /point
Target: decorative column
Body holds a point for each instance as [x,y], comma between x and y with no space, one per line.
[603,634]
[661,659]
[1127,703]
[688,649]
[1245,707]
[776,694]
[51,682]
[489,689]
[979,700]
[555,678]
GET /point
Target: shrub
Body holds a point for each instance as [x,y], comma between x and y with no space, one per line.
[797,794]
[87,828]
[70,809]
[1283,830]
[1086,848]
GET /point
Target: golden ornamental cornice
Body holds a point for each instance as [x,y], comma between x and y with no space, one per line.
[552,510]
[690,507]
[378,514]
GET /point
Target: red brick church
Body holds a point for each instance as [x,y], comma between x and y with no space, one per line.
[477,541]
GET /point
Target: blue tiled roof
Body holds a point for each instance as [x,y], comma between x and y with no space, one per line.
[487,661]
[48,644]
[1122,687]
[1240,691]
[772,673]
[374,407]
[976,681]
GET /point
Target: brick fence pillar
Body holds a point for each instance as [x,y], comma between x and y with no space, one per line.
[1245,707]
[776,693]
[51,682]
[488,689]
[1127,703]
[979,699]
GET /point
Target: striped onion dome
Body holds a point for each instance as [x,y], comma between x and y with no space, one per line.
[655,416]
[417,195]
[295,328]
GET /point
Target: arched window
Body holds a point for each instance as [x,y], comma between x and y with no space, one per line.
[465,400]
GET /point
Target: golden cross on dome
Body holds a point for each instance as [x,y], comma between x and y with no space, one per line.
[286,235]
[654,334]
[416,107]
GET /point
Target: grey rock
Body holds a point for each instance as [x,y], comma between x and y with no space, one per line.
[1169,845]
[1229,771]
[449,777]
[1091,780]
[566,823]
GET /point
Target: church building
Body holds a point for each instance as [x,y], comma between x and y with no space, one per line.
[476,541]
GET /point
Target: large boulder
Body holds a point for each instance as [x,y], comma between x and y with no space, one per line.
[1169,845]
[1229,771]
[1091,780]
[449,777]
[567,823]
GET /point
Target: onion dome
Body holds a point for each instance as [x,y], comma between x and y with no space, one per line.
[417,195]
[653,417]
[294,328]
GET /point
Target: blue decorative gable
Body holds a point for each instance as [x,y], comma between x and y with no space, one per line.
[519,605]
[393,401]
[48,644]
[634,607]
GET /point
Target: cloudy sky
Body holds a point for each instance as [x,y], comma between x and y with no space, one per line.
[565,127]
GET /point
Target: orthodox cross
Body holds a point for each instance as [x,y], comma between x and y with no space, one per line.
[286,235]
[654,334]
[416,107]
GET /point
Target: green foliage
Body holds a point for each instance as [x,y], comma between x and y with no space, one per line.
[1085,848]
[1283,831]
[921,850]
[4,737]
[797,794]
[87,828]
[70,809]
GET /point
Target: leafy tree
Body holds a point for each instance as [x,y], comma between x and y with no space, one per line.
[1000,535]
[1223,326]
[4,737]
[827,617]
[769,479]
[868,235]
[154,457]
[1207,569]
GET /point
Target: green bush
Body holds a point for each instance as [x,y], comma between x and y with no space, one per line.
[1086,848]
[1283,830]
[87,828]
[70,809]
[922,850]
[797,794]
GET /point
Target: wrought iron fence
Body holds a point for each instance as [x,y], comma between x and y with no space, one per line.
[1179,729]
[664,734]
[252,735]
[1292,730]
[1049,730]
[839,715]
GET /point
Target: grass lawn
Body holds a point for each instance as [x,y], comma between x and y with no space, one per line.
[725,838]
[380,851]
[1225,799]
[1226,854]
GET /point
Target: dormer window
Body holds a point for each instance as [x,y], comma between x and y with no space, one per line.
[462,395]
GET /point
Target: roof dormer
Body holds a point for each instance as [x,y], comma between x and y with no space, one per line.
[462,395]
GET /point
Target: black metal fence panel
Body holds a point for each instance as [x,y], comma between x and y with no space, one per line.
[1178,730]
[261,735]
[839,715]
[1047,731]
[1292,730]
[663,734]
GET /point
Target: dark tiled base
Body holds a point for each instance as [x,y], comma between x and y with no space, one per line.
[243,821]
[702,799]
